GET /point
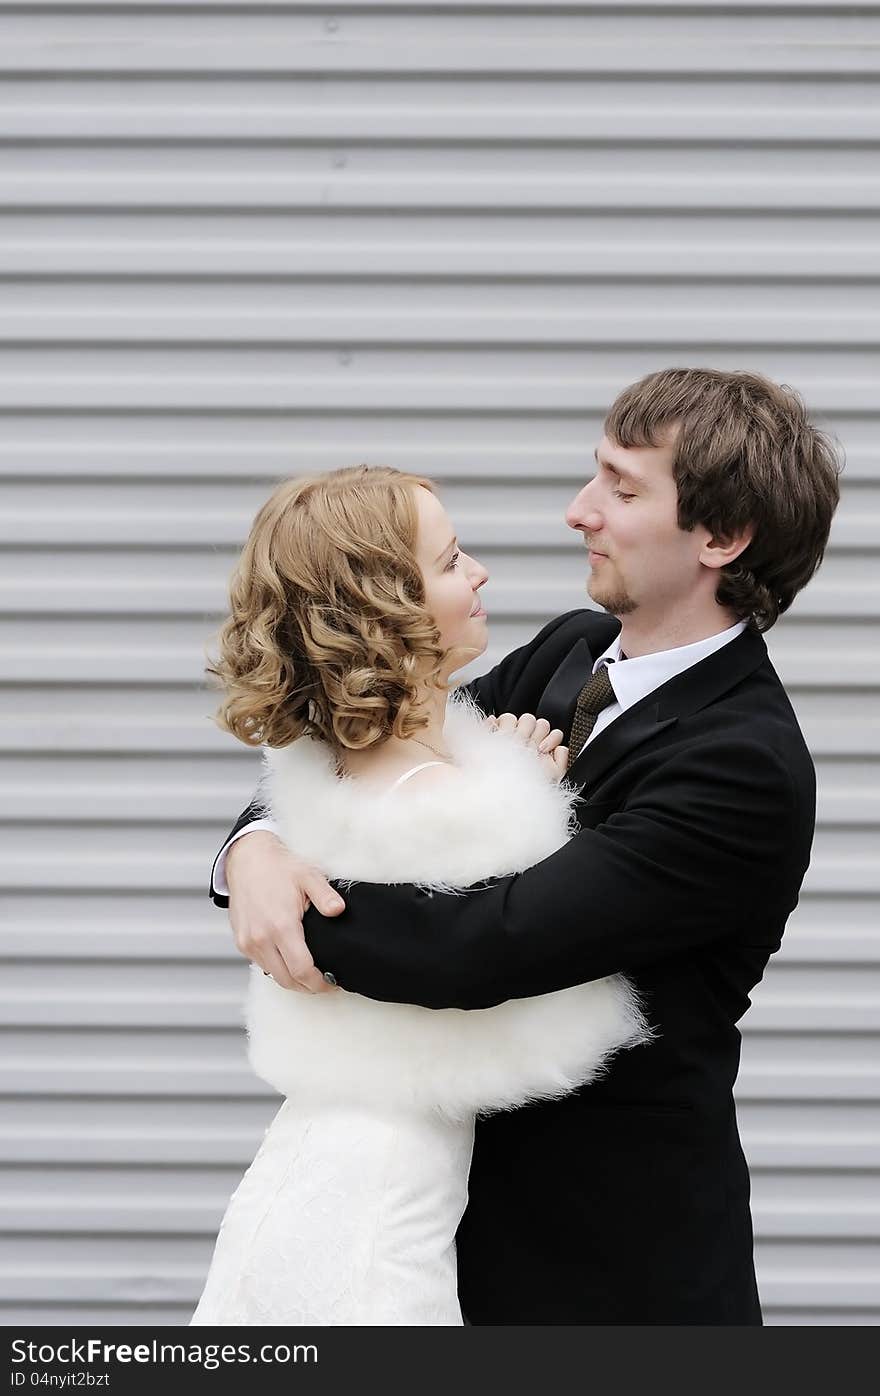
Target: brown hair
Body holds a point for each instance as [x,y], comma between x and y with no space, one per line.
[746,452]
[328,634]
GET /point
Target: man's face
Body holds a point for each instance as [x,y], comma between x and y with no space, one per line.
[640,559]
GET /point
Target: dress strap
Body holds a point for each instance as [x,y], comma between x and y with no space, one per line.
[415,770]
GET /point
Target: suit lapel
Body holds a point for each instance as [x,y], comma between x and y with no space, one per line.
[629,730]
[559,697]
[557,704]
[680,696]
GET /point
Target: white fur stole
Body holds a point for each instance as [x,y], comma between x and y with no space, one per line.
[500,816]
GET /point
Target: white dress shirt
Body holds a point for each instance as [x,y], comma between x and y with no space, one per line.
[631,679]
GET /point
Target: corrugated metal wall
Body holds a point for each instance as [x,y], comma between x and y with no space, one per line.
[242,241]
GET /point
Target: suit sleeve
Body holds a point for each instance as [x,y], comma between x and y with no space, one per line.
[490,691]
[703,851]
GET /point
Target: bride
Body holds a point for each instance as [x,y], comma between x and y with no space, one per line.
[351,607]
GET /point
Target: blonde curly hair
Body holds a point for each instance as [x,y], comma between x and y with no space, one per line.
[328,634]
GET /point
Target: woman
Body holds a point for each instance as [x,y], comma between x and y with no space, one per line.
[352,606]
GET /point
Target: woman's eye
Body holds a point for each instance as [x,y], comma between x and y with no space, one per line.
[620,495]
[452,561]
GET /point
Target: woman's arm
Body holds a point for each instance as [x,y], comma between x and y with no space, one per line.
[710,846]
[253,820]
[491,692]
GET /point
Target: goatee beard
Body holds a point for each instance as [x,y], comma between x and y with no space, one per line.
[616,603]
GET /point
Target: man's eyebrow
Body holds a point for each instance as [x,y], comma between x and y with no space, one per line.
[453,544]
[631,475]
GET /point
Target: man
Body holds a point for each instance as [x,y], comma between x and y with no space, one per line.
[627,1202]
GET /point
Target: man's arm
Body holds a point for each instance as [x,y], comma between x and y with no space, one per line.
[705,848]
[247,824]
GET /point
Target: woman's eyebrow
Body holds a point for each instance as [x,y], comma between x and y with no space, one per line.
[453,544]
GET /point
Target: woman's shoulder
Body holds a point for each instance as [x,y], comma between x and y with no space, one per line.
[430,775]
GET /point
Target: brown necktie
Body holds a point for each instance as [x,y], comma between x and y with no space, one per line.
[595,695]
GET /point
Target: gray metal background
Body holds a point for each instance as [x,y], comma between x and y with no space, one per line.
[238,242]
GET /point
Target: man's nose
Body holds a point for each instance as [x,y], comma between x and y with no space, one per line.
[581,512]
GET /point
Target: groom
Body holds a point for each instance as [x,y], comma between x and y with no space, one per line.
[627,1202]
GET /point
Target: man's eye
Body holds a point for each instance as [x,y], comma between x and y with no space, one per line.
[452,561]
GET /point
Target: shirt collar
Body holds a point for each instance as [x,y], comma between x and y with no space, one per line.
[634,679]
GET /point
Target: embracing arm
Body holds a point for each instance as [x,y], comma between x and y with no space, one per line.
[701,850]
[491,692]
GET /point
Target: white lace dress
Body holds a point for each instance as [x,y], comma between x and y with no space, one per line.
[348,1213]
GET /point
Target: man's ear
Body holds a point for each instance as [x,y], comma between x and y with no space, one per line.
[722,549]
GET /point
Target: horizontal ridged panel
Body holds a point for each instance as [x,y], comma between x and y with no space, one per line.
[38,1200]
[210,996]
[107,720]
[576,46]
[844,1130]
[138,1269]
[129,854]
[480,448]
[431,380]
[269,315]
[739,8]
[155,924]
[239,242]
[467,112]
[107,1315]
[473,185]
[786,1065]
[135,788]
[169,650]
[250,245]
[204,515]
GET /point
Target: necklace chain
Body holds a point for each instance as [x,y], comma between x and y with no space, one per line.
[441,754]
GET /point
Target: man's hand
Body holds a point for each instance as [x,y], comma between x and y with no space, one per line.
[537,733]
[269,893]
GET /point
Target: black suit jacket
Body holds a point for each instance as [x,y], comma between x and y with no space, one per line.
[627,1202]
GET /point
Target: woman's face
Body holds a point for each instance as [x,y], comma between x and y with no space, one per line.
[452,582]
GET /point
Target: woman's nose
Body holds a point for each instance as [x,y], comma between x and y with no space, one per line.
[480,576]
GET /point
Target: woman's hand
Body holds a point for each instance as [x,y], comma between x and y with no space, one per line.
[536,732]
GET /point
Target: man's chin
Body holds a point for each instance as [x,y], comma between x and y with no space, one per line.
[602,595]
[614,602]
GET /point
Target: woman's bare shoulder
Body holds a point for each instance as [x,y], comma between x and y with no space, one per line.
[432,777]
